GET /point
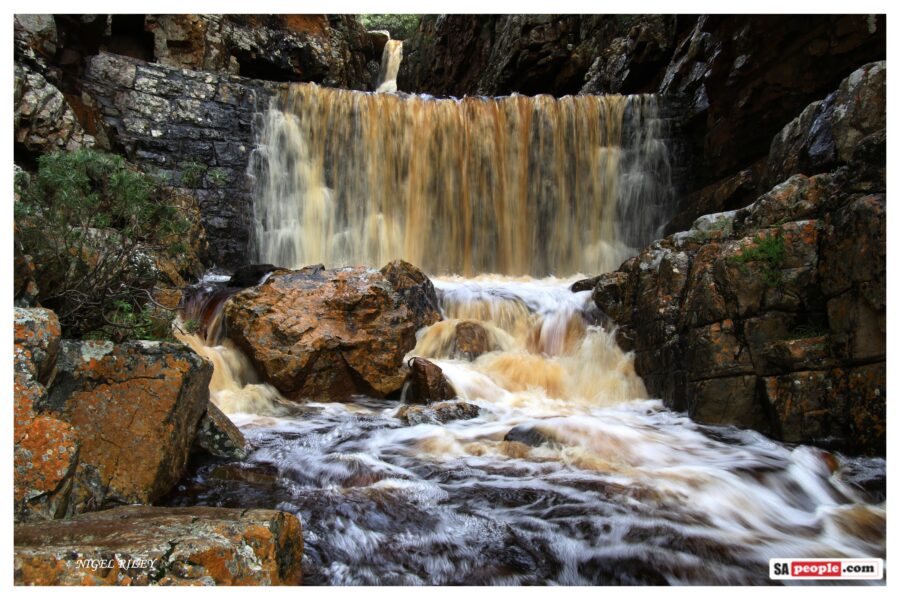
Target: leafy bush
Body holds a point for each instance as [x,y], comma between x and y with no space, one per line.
[93,227]
[401,27]
[770,252]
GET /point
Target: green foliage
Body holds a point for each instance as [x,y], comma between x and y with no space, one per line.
[769,251]
[93,227]
[192,174]
[217,177]
[192,326]
[401,27]
[810,330]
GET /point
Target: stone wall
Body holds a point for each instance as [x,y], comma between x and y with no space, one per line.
[194,129]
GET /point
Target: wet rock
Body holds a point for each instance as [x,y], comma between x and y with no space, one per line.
[416,290]
[143,545]
[249,275]
[43,120]
[438,412]
[472,340]
[255,474]
[327,333]
[810,406]
[427,383]
[135,408]
[528,435]
[728,401]
[218,436]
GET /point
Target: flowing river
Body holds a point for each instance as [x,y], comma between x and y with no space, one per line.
[568,475]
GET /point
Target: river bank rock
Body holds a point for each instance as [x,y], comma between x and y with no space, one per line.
[773,316]
[218,436]
[331,333]
[142,545]
[114,425]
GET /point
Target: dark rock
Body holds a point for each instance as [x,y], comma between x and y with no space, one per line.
[438,412]
[427,383]
[249,275]
[218,436]
[416,290]
[529,435]
[145,545]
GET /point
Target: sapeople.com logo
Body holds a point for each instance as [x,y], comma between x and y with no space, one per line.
[826,568]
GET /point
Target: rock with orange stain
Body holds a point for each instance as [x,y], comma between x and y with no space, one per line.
[332,333]
[37,335]
[143,545]
[135,408]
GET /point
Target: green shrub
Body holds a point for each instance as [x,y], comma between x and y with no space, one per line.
[192,174]
[401,27]
[769,251]
[217,177]
[94,227]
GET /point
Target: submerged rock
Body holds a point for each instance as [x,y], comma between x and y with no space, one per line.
[143,545]
[427,383]
[438,412]
[332,333]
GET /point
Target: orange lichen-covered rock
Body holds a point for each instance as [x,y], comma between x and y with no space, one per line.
[135,408]
[37,333]
[332,333]
[143,545]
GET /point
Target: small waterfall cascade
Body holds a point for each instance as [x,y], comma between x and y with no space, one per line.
[514,185]
[390,66]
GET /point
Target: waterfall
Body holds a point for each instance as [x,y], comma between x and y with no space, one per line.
[515,185]
[390,65]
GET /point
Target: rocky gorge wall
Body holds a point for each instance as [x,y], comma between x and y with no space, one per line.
[735,80]
[773,316]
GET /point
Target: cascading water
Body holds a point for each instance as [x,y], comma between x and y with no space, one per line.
[390,66]
[569,475]
[516,185]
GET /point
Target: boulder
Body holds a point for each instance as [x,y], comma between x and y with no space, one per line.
[134,408]
[144,545]
[331,333]
[218,436]
[37,337]
[427,383]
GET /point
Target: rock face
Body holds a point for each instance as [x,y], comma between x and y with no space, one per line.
[43,120]
[194,129]
[142,545]
[330,50]
[773,316]
[320,333]
[114,426]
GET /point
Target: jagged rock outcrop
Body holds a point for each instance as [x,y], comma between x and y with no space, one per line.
[193,129]
[773,316]
[331,333]
[43,120]
[218,436]
[142,545]
[328,49]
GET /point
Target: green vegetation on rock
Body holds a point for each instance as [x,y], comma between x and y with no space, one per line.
[94,227]
[769,251]
[400,27]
